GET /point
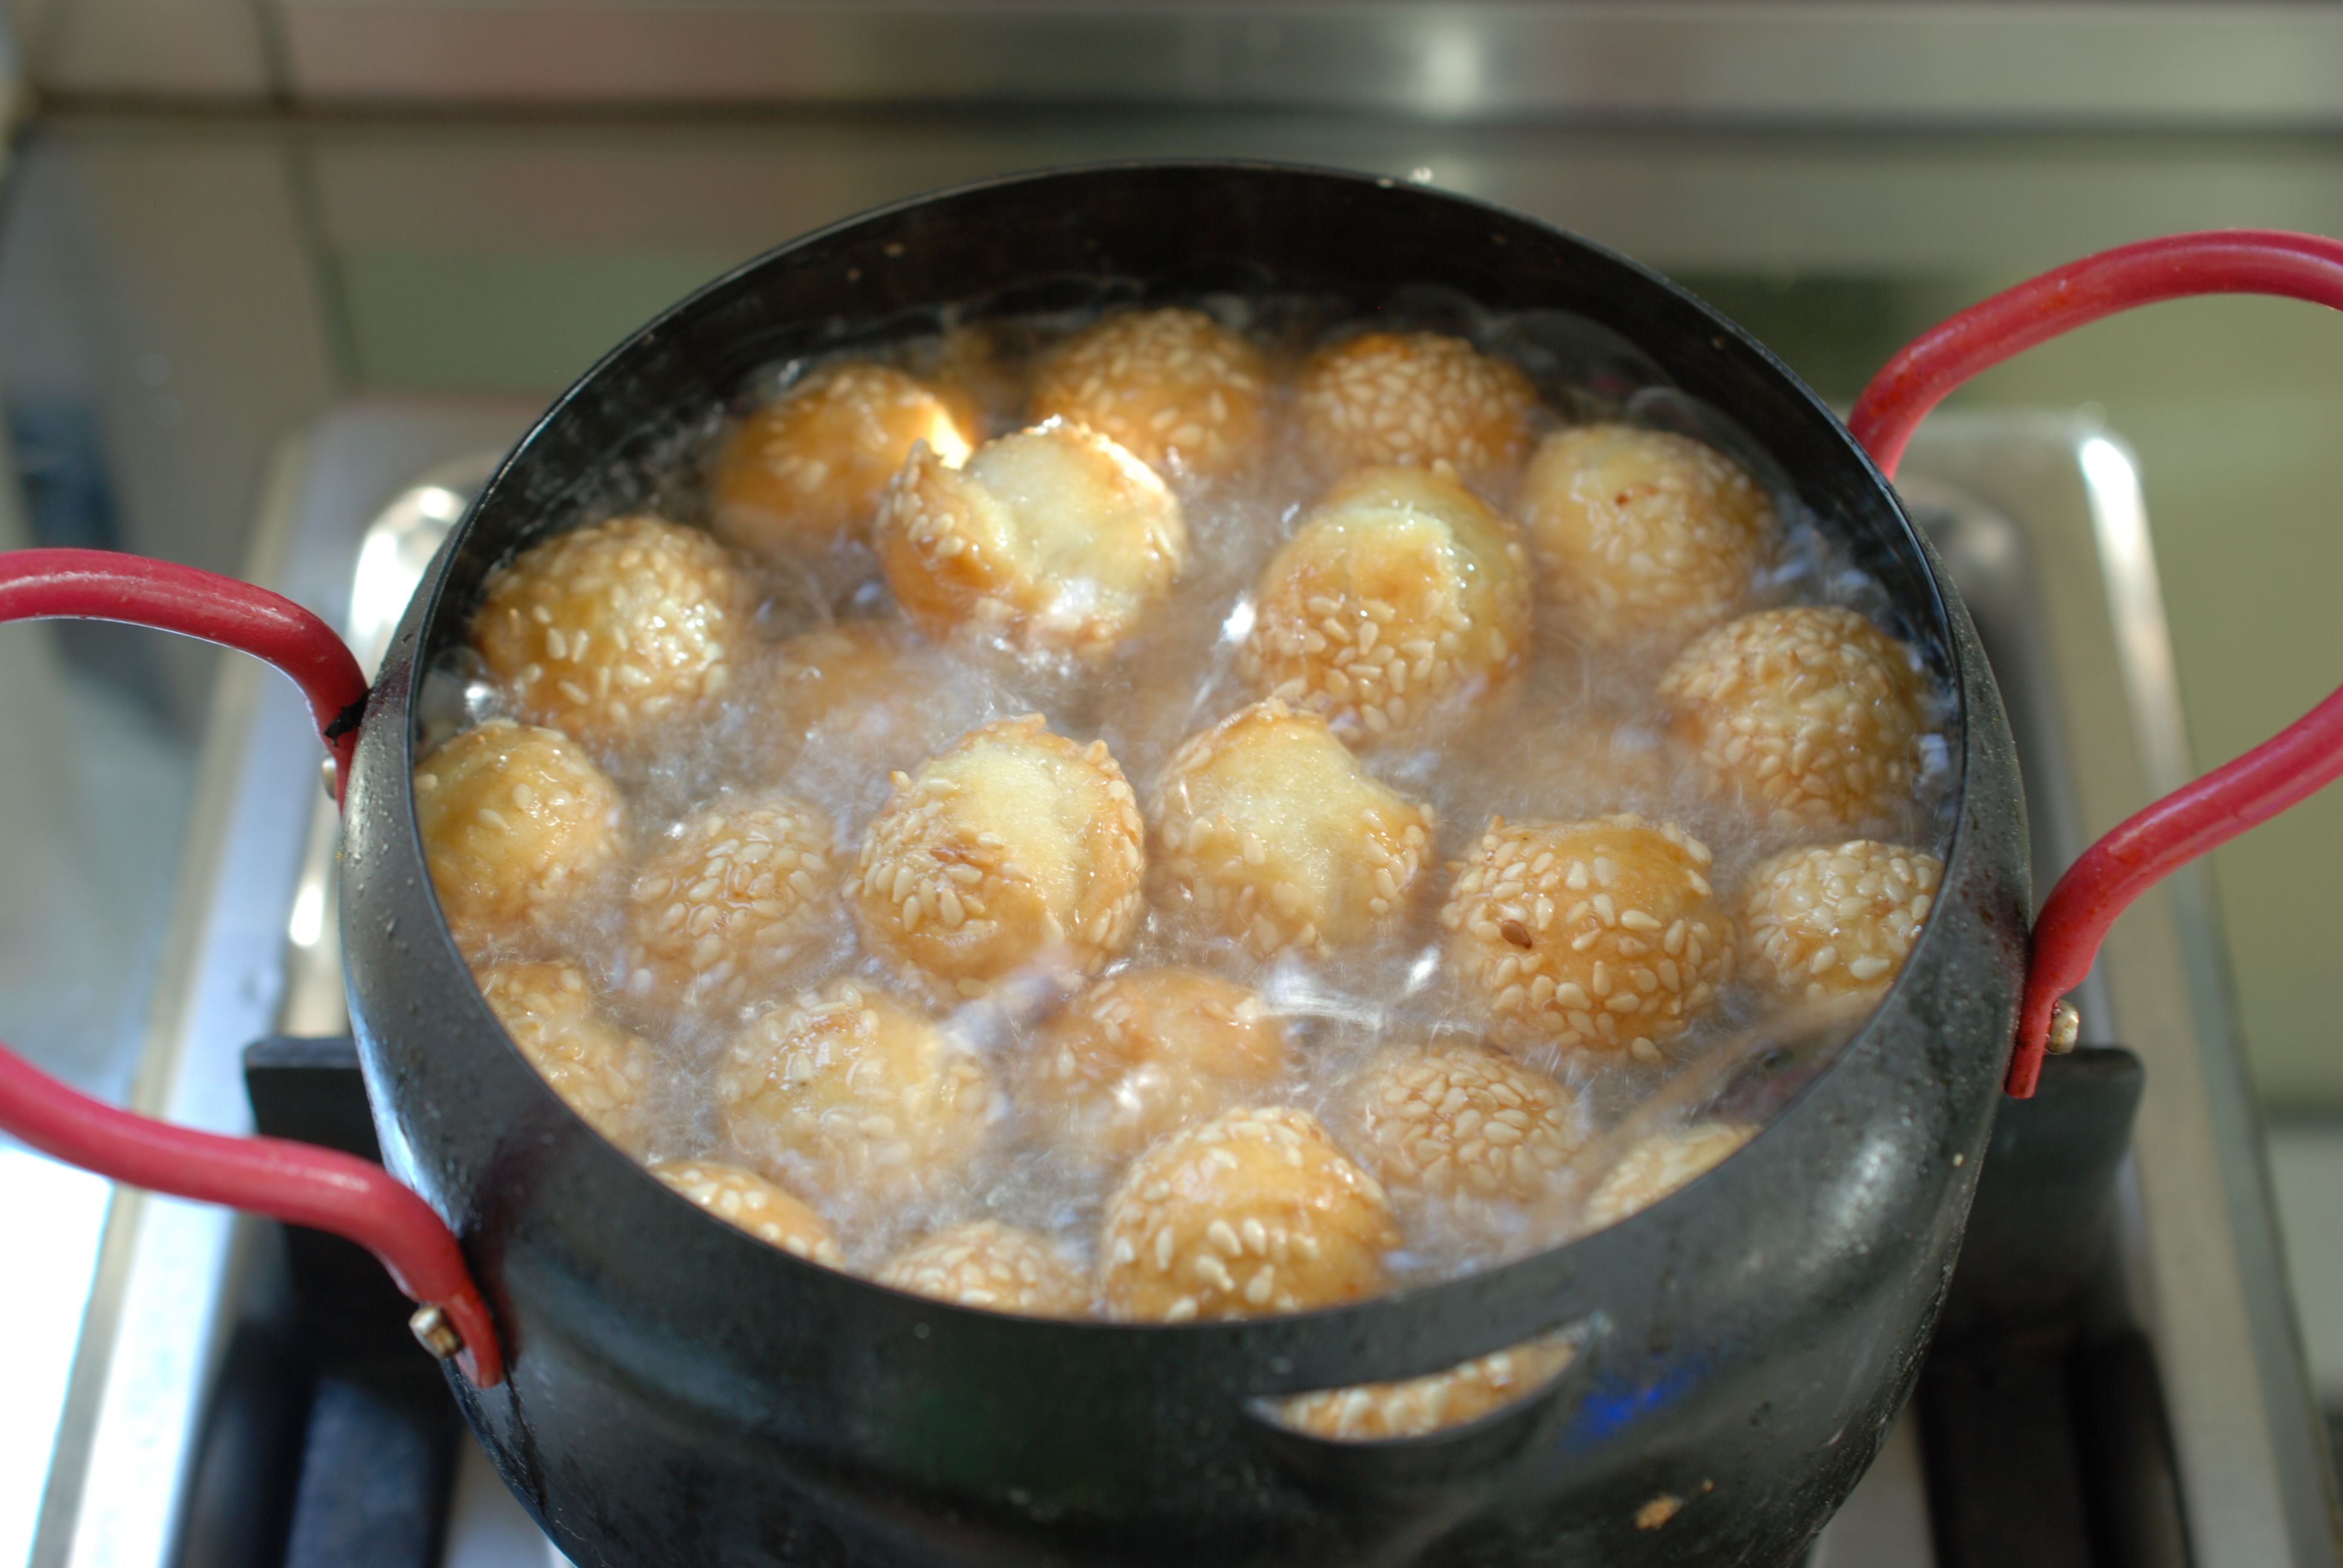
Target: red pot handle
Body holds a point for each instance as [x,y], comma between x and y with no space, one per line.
[2300,760]
[294,1182]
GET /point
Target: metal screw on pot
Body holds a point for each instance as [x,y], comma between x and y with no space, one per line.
[2066,1027]
[434,1332]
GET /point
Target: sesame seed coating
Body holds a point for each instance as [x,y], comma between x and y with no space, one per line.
[599,1070]
[812,464]
[1402,600]
[1643,535]
[1810,712]
[1050,538]
[1415,399]
[1013,844]
[515,822]
[1457,1128]
[1656,1166]
[772,1215]
[1255,1212]
[610,633]
[1177,390]
[1833,921]
[1268,829]
[1414,1406]
[1602,935]
[1001,1268]
[728,900]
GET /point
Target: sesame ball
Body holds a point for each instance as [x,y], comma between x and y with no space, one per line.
[1175,388]
[514,821]
[728,900]
[1417,398]
[599,1070]
[1376,1412]
[1255,1212]
[998,1267]
[854,1094]
[1601,935]
[1640,534]
[1145,1052]
[1269,830]
[1457,1128]
[1831,923]
[742,1197]
[1052,539]
[811,465]
[1013,845]
[613,632]
[868,691]
[1401,601]
[1656,1166]
[1810,712]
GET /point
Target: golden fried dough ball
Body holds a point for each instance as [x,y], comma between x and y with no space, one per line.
[1402,600]
[1642,535]
[1656,1166]
[1145,1053]
[1254,1211]
[1597,935]
[998,1267]
[1178,391]
[812,464]
[1829,922]
[1014,844]
[1417,398]
[728,900]
[514,821]
[612,632]
[1053,538]
[1459,1126]
[1268,829]
[742,1197]
[854,1094]
[1811,712]
[599,1070]
[1377,1410]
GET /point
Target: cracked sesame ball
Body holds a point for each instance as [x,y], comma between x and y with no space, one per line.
[599,1070]
[1810,712]
[1052,539]
[1402,600]
[1459,1128]
[812,464]
[1656,1166]
[1255,1212]
[1177,390]
[1001,1268]
[1417,398]
[772,1215]
[1145,1052]
[1602,935]
[613,632]
[1831,923]
[1269,830]
[1642,535]
[729,899]
[1376,1412]
[1014,845]
[854,1094]
[515,822]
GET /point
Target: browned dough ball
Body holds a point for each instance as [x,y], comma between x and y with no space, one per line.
[1376,1412]
[772,1215]
[1014,845]
[1053,538]
[1458,1128]
[1831,923]
[728,900]
[1145,1052]
[1643,536]
[998,1267]
[1255,1212]
[1177,390]
[812,464]
[1401,601]
[1598,935]
[1656,1166]
[515,822]
[612,633]
[1417,398]
[599,1070]
[1268,829]
[854,1094]
[1811,712]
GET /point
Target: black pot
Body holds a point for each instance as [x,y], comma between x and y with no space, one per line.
[679,1393]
